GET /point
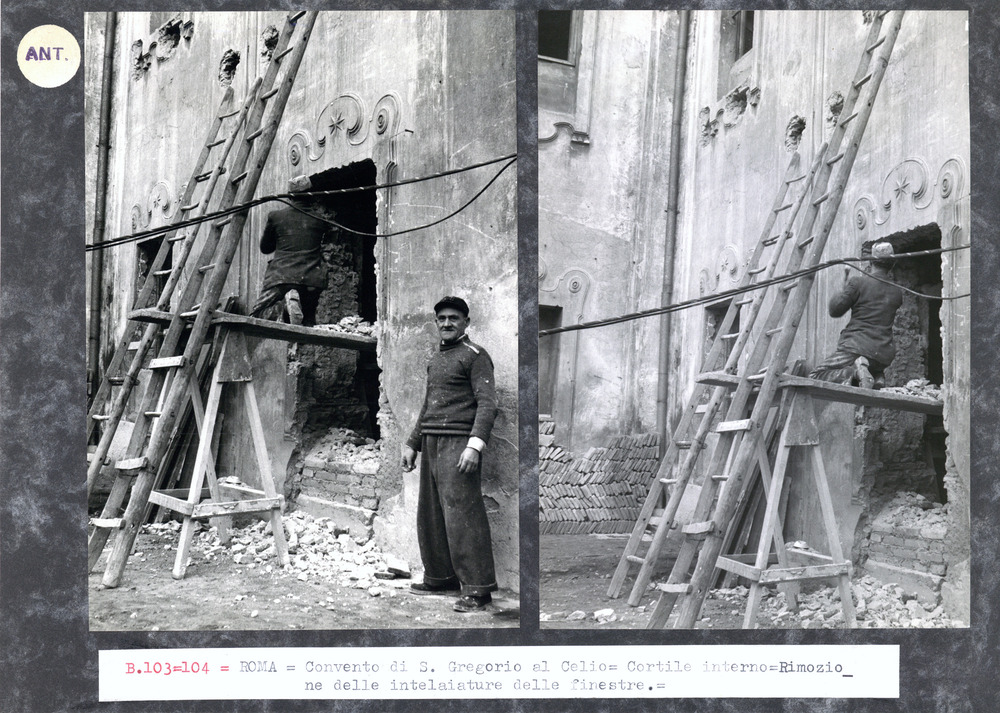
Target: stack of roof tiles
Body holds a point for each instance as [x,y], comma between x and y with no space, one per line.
[601,492]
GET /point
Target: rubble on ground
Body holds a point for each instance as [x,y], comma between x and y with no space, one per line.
[352,325]
[878,606]
[319,550]
[916,387]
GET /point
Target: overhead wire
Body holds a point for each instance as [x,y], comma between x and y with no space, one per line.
[286,197]
[726,294]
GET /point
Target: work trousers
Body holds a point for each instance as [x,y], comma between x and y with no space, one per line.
[839,368]
[272,296]
[452,528]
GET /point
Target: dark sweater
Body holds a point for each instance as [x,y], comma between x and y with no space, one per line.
[873,306]
[461,394]
[296,240]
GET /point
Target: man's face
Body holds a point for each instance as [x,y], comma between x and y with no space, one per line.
[451,324]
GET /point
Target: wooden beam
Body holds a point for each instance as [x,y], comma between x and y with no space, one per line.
[211,509]
[819,571]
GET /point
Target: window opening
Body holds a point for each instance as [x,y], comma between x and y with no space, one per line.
[555,35]
[548,357]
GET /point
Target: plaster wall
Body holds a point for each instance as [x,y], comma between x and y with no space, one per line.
[416,93]
[602,198]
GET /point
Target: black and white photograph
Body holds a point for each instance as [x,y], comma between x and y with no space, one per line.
[754,313]
[301,320]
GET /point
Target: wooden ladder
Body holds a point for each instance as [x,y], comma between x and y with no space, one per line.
[169,394]
[738,451]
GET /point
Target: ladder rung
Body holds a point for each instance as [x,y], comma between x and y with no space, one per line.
[668,481]
[206,268]
[230,114]
[807,241]
[163,273]
[789,285]
[784,207]
[202,177]
[101,416]
[133,346]
[254,135]
[176,238]
[757,270]
[772,332]
[110,523]
[191,313]
[771,240]
[699,528]
[116,381]
[297,16]
[674,588]
[153,414]
[863,81]
[222,223]
[267,95]
[719,478]
[821,199]
[281,56]
[166,362]
[744,301]
[213,144]
[872,47]
[131,463]
[741,425]
[635,559]
[190,207]
[796,179]
[683,445]
[237,179]
[849,119]
[836,158]
[731,335]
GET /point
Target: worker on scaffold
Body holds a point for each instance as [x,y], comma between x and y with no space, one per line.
[865,348]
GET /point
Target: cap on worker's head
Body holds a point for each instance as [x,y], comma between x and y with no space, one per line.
[881,251]
[453,302]
[299,184]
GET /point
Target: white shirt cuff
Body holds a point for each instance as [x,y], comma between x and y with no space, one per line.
[476,444]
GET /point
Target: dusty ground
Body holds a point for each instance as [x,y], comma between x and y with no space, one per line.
[330,585]
[576,571]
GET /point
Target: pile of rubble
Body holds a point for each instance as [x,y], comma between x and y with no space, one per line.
[878,606]
[601,492]
[917,387]
[352,325]
[319,550]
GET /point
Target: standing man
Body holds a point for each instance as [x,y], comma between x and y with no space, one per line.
[865,348]
[459,408]
[296,274]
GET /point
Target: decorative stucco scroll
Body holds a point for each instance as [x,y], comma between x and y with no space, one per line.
[345,122]
[156,209]
[724,275]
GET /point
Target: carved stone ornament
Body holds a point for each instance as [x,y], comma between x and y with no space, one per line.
[726,273]
[345,120]
[160,205]
[570,291]
[906,188]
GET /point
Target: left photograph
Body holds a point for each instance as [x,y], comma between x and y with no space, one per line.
[302,337]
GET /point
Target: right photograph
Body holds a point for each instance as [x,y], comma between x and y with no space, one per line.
[754,319]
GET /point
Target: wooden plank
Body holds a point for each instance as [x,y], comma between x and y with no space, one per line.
[699,528]
[241,489]
[166,362]
[827,391]
[741,425]
[731,564]
[674,588]
[111,523]
[235,507]
[818,571]
[809,553]
[173,503]
[268,329]
[129,464]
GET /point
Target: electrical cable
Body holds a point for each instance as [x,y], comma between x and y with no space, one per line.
[284,197]
[719,296]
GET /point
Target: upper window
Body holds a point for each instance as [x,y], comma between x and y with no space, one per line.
[744,32]
[736,39]
[555,35]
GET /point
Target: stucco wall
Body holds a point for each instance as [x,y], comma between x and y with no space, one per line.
[416,93]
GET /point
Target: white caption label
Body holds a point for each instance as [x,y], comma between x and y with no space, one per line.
[505,672]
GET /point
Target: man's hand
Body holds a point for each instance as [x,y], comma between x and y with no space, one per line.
[468,461]
[409,458]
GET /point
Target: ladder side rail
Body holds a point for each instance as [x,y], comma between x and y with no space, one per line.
[793,314]
[228,245]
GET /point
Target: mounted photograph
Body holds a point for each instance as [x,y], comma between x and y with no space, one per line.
[754,315]
[302,330]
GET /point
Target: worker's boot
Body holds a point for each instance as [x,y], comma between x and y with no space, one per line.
[865,379]
[293,307]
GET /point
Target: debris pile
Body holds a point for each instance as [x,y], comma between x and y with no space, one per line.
[601,492]
[910,532]
[352,325]
[342,467]
[877,606]
[320,550]
[917,387]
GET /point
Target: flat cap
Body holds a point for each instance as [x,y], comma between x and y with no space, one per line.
[453,302]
